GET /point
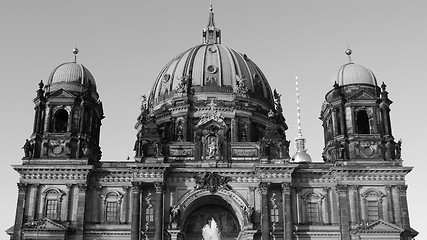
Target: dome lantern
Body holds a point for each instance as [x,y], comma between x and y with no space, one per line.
[211,34]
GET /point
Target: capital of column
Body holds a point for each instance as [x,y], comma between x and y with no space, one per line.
[252,189]
[159,187]
[263,187]
[22,187]
[286,187]
[82,187]
[353,187]
[341,189]
[402,189]
[136,186]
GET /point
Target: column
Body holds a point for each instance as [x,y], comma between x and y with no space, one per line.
[390,209]
[32,206]
[136,205]
[70,120]
[343,211]
[20,207]
[335,122]
[126,203]
[80,214]
[70,202]
[327,207]
[265,225]
[158,212]
[287,211]
[396,206]
[404,206]
[234,130]
[353,206]
[47,119]
[342,121]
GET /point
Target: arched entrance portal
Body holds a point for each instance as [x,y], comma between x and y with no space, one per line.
[206,208]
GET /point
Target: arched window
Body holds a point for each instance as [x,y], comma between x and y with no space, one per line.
[313,203]
[112,204]
[362,122]
[60,120]
[373,204]
[52,204]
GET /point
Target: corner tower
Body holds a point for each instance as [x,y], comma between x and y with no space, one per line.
[356,118]
[68,116]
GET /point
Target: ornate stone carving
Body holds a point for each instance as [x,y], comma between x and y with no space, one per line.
[263,187]
[341,189]
[159,186]
[211,181]
[136,186]
[286,187]
[82,188]
[240,86]
[402,189]
[22,187]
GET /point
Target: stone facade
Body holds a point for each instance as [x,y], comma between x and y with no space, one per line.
[211,147]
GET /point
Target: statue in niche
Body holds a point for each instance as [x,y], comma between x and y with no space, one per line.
[212,147]
[244,132]
[179,132]
[28,149]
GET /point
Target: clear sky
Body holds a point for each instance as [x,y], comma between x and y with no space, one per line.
[125,44]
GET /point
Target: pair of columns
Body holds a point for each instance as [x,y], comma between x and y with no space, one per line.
[136,211]
[265,211]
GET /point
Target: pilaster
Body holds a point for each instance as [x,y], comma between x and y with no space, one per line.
[287,211]
[265,225]
[20,207]
[136,205]
[158,212]
[343,211]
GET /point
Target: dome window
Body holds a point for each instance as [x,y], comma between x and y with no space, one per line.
[362,121]
[212,69]
[166,77]
[212,49]
[60,119]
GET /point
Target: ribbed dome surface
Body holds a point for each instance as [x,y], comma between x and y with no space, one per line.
[211,68]
[71,76]
[351,73]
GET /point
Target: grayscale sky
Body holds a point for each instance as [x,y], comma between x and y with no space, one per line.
[125,44]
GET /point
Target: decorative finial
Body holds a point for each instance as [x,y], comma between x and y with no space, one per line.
[211,7]
[41,84]
[75,52]
[348,52]
[211,34]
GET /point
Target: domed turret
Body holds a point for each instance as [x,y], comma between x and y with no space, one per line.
[356,117]
[71,76]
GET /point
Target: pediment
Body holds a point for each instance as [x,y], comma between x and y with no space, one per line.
[381,226]
[61,93]
[46,224]
[211,118]
[362,95]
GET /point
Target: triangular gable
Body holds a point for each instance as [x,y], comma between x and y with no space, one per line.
[61,93]
[362,95]
[45,224]
[381,226]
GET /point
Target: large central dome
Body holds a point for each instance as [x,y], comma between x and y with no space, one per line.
[211,69]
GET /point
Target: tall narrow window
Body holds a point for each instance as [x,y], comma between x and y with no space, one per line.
[312,212]
[52,204]
[112,203]
[373,204]
[52,209]
[274,215]
[60,120]
[362,122]
[373,210]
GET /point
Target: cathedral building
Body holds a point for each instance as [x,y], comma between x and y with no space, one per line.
[211,147]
